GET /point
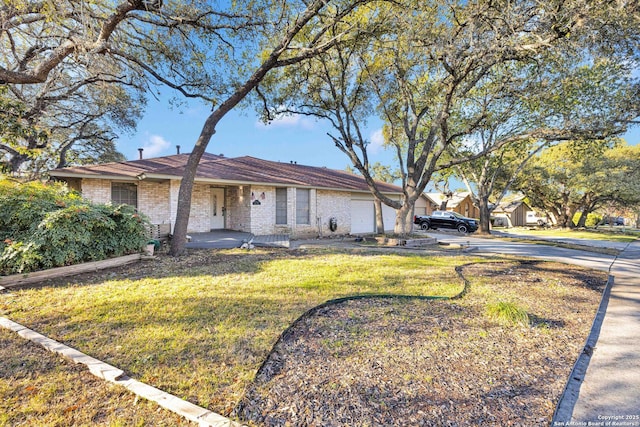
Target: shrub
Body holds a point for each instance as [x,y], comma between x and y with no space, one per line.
[70,231]
[24,206]
[508,313]
[593,219]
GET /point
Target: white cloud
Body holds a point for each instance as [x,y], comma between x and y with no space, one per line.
[376,142]
[155,146]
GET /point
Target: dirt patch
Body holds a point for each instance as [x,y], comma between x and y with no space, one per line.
[420,362]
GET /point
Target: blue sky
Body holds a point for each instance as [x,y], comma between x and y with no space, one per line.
[240,133]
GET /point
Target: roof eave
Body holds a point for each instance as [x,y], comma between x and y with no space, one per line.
[96,176]
[154,176]
[265,183]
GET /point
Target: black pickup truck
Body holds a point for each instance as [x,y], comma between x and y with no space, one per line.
[446,219]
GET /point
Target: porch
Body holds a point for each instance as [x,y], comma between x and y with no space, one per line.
[228,239]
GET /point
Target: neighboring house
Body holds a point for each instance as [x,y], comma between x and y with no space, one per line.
[511,214]
[517,213]
[244,193]
[456,202]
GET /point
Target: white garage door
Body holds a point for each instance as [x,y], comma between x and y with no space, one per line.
[362,216]
[389,217]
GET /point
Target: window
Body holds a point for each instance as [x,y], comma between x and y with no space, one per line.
[302,206]
[124,193]
[281,206]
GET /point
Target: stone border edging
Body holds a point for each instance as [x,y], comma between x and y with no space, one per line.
[566,404]
[52,273]
[188,410]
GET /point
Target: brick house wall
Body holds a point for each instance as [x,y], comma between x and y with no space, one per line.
[238,208]
[154,200]
[96,190]
[334,204]
[158,201]
[200,215]
[250,208]
[254,210]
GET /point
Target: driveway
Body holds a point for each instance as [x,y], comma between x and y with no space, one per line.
[585,242]
[552,253]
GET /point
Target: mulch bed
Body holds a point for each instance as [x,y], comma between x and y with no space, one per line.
[399,362]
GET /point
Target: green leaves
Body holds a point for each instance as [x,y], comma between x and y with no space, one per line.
[48,226]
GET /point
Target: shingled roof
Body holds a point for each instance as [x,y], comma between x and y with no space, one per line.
[453,200]
[218,169]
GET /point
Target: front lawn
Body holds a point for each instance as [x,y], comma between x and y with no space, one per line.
[38,388]
[200,327]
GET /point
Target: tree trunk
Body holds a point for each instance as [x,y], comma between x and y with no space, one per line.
[379,219]
[404,218]
[186,185]
[16,161]
[179,238]
[485,215]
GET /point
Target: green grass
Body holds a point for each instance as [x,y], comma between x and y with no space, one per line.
[201,331]
[507,313]
[600,234]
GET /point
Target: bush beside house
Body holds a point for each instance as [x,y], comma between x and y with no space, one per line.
[46,225]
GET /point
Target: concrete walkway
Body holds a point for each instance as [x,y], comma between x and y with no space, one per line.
[609,392]
[227,239]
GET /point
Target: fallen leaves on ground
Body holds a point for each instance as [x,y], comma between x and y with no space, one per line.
[398,362]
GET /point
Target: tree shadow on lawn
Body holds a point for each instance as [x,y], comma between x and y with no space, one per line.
[199,262]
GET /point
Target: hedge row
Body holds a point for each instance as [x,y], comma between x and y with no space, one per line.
[47,225]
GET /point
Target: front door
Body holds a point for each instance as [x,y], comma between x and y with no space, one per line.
[217,208]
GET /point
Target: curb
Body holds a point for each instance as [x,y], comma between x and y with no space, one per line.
[188,410]
[569,397]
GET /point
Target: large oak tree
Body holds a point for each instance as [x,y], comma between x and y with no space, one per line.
[82,70]
[439,72]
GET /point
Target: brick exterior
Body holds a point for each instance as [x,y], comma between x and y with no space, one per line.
[154,200]
[96,190]
[238,208]
[334,204]
[250,208]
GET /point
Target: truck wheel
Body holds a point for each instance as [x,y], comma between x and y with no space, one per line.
[462,228]
[424,225]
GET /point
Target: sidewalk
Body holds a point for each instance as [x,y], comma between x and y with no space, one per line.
[610,391]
